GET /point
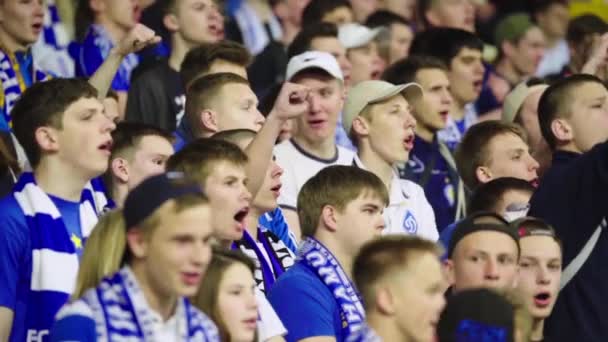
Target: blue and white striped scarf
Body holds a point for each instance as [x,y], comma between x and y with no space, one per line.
[366,334]
[121,313]
[13,82]
[322,263]
[51,49]
[54,259]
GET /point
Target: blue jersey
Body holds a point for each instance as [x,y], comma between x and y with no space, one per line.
[16,256]
[305,305]
[26,62]
[428,168]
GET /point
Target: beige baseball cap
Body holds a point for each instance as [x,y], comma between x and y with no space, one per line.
[353,35]
[371,92]
[515,99]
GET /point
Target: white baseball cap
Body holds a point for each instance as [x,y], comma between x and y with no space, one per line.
[355,35]
[314,60]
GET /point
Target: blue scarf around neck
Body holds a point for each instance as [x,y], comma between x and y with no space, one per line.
[54,259]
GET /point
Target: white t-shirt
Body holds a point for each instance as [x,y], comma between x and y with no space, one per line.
[408,211]
[299,166]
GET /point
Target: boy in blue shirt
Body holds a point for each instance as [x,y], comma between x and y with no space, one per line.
[340,209]
[45,221]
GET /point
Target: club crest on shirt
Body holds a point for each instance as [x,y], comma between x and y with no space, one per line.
[409,223]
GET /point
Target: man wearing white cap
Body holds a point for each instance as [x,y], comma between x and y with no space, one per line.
[313,145]
[378,120]
[521,107]
[362,51]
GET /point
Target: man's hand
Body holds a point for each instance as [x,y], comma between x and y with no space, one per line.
[598,57]
[138,38]
[291,102]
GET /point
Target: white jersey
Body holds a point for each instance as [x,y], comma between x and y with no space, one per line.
[299,166]
[408,211]
[269,324]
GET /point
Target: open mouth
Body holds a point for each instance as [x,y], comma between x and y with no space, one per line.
[542,299]
[251,323]
[191,278]
[376,75]
[106,147]
[241,214]
[408,142]
[535,182]
[444,114]
[316,123]
[477,85]
[216,30]
[37,27]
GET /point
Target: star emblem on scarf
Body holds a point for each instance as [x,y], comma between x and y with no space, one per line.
[76,241]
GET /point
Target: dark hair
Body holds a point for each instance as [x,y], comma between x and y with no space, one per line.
[202,91]
[444,43]
[536,6]
[83,19]
[487,196]
[301,43]
[423,7]
[473,150]
[405,70]
[197,159]
[43,104]
[128,135]
[315,10]
[206,298]
[555,103]
[581,27]
[385,18]
[198,61]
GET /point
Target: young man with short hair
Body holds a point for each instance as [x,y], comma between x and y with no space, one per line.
[573,118]
[138,152]
[459,14]
[506,196]
[313,145]
[483,252]
[382,270]
[337,12]
[67,138]
[219,167]
[540,271]
[378,117]
[494,149]
[361,51]
[340,209]
[461,52]
[156,96]
[394,43]
[431,164]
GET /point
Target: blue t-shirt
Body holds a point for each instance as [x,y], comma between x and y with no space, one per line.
[16,256]
[305,305]
[274,221]
[74,328]
[441,184]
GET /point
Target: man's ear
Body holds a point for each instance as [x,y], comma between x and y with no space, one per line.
[562,130]
[448,270]
[385,301]
[329,218]
[137,242]
[360,126]
[120,169]
[432,18]
[46,138]
[171,23]
[208,120]
[483,174]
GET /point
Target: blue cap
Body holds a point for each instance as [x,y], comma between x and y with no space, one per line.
[153,192]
